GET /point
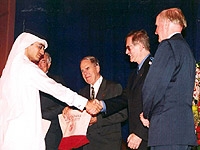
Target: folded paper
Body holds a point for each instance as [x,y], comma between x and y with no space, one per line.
[74,129]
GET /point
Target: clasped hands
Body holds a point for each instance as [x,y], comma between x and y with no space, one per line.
[93,107]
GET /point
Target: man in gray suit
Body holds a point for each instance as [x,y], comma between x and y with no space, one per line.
[168,87]
[103,133]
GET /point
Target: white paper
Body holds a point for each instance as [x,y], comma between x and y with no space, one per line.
[77,124]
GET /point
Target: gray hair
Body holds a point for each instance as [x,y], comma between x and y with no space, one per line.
[175,15]
[92,59]
[48,57]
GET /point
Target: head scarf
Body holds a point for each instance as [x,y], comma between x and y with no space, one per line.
[21,43]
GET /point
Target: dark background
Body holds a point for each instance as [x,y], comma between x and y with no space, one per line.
[76,28]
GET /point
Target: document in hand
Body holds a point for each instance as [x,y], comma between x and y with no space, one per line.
[74,129]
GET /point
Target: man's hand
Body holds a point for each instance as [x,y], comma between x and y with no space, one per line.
[134,141]
[66,112]
[93,107]
[93,120]
[144,121]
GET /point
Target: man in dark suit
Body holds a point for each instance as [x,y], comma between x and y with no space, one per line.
[138,48]
[51,107]
[103,133]
[168,88]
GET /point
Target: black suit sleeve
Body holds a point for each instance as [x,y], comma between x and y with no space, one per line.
[115,104]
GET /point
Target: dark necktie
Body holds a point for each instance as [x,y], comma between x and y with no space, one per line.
[92,95]
[138,69]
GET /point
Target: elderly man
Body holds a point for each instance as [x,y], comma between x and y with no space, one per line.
[51,107]
[103,133]
[168,88]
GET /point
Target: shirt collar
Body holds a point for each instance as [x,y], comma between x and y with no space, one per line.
[172,34]
[97,85]
[140,65]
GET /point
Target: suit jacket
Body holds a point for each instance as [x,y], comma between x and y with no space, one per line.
[132,96]
[51,107]
[105,134]
[167,94]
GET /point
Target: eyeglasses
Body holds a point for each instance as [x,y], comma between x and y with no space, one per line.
[128,47]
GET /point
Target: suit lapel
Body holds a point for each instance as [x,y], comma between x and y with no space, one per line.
[101,91]
[86,92]
[138,77]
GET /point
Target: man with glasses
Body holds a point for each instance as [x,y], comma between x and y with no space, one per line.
[138,49]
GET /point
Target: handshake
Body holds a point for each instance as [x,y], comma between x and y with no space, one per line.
[94,106]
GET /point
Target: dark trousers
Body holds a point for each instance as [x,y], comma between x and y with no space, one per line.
[171,147]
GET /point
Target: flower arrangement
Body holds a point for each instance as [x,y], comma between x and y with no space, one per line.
[196,102]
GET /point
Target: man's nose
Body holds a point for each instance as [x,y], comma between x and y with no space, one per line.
[42,51]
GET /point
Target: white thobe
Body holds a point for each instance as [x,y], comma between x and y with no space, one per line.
[21,123]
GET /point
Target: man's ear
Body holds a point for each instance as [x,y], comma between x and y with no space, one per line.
[98,68]
[167,23]
[49,64]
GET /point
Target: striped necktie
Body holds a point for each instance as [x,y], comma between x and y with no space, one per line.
[92,94]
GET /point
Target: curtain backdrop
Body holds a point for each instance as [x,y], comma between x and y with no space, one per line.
[76,28]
